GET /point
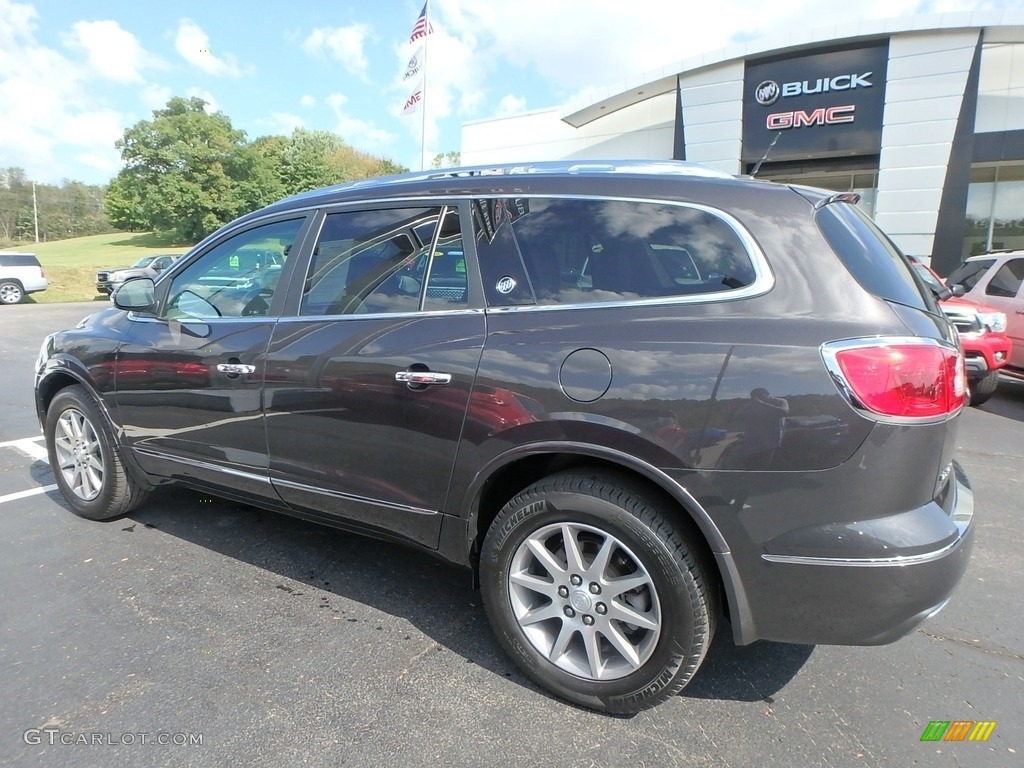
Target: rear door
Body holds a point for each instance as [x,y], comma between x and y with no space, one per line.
[368,384]
[189,378]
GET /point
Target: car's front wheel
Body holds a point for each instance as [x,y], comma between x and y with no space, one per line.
[10,292]
[595,594]
[85,460]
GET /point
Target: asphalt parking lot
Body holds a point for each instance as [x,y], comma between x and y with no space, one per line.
[201,632]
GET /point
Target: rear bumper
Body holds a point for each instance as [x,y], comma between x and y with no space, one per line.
[900,571]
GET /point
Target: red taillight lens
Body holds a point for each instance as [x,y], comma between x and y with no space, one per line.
[905,380]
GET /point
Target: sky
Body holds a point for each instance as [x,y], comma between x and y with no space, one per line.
[74,75]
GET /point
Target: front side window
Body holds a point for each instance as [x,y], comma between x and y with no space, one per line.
[1007,279]
[969,273]
[387,261]
[555,251]
[235,278]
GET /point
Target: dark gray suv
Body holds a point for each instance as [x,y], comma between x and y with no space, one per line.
[636,400]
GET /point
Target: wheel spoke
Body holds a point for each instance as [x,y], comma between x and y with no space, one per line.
[624,613]
[545,557]
[565,634]
[592,645]
[600,564]
[573,556]
[533,583]
[627,583]
[543,613]
[614,636]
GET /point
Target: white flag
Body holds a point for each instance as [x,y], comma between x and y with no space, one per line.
[414,100]
[415,66]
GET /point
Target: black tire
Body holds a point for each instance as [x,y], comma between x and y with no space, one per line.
[85,460]
[982,389]
[11,292]
[615,522]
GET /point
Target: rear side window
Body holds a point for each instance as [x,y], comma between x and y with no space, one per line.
[871,257]
[565,251]
[18,260]
[1007,279]
[969,273]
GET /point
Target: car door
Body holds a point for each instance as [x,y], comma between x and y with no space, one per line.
[1004,290]
[368,385]
[189,377]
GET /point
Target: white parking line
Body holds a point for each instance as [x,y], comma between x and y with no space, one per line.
[30,446]
[26,494]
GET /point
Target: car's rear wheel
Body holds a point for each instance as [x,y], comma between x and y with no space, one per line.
[982,389]
[595,594]
[85,460]
[10,292]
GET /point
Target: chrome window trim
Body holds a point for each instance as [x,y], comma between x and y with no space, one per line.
[829,351]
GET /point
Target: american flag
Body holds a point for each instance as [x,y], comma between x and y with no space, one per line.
[422,27]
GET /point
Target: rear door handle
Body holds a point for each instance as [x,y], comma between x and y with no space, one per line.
[235,368]
[423,377]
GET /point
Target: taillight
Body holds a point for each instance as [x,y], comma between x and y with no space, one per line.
[899,379]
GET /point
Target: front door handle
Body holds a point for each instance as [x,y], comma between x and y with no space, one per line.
[234,369]
[423,377]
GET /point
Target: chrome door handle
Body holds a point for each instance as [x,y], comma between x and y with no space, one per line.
[235,368]
[423,377]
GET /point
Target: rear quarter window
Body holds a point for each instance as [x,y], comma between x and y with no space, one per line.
[18,260]
[582,251]
[871,257]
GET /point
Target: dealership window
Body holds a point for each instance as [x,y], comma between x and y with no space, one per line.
[864,183]
[1000,88]
[995,209]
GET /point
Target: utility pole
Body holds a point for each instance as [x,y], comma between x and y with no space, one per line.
[35,210]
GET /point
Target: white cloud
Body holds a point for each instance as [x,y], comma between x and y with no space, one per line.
[510,105]
[346,44]
[112,51]
[193,44]
[307,101]
[360,134]
[155,96]
[45,107]
[280,123]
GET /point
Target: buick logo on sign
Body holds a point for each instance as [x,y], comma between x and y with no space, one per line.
[767,93]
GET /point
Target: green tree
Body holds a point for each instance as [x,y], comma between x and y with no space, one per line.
[179,166]
[451,159]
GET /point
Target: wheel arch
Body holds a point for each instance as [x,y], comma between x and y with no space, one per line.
[513,471]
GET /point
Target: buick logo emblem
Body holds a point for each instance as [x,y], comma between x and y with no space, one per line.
[506,285]
[767,93]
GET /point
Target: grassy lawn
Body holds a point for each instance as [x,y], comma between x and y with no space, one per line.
[71,265]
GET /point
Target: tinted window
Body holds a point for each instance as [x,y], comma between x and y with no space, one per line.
[870,256]
[585,251]
[235,278]
[18,260]
[969,273]
[384,261]
[1007,279]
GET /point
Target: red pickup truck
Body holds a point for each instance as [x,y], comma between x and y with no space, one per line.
[982,333]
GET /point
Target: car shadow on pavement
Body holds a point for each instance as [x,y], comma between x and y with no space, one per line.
[436,597]
[1008,400]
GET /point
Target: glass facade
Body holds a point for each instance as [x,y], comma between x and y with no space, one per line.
[864,183]
[995,209]
[1001,88]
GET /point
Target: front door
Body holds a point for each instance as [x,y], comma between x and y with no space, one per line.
[189,379]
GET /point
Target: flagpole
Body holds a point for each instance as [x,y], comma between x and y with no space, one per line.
[423,99]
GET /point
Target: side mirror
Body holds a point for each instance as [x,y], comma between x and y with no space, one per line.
[136,295]
[957,290]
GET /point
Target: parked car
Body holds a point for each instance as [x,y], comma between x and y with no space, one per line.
[635,399]
[982,333]
[20,275]
[997,279]
[109,280]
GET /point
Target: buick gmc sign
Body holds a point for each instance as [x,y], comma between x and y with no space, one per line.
[819,105]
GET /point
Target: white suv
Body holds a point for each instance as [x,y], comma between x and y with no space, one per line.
[20,273]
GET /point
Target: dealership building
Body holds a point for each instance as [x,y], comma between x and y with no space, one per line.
[922,116]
